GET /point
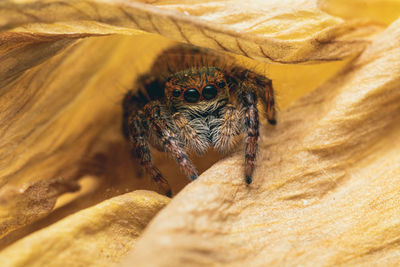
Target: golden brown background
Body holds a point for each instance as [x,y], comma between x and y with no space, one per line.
[327,186]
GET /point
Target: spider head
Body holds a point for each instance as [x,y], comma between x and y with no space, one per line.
[196,85]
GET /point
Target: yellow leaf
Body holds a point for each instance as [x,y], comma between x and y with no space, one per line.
[57,109]
[285,31]
[99,235]
[21,206]
[326,191]
[65,66]
[381,11]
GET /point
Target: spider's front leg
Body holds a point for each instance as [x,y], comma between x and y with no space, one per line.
[168,139]
[255,86]
[140,148]
[187,134]
[230,127]
[249,100]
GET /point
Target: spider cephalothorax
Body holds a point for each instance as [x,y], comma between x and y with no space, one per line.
[194,99]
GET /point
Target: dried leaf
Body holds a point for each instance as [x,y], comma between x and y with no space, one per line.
[49,78]
[288,31]
[62,77]
[19,206]
[99,235]
[381,11]
[50,109]
[326,191]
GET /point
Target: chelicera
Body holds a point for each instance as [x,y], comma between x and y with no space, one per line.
[193,99]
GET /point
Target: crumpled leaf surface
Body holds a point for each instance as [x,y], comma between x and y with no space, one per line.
[104,232]
[40,102]
[326,192]
[287,31]
[65,66]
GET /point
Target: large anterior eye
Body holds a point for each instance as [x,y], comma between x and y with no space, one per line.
[209,92]
[191,95]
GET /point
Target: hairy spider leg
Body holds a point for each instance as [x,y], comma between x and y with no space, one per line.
[263,87]
[140,149]
[229,128]
[252,129]
[168,139]
[188,134]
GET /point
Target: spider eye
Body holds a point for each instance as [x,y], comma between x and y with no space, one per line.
[191,95]
[221,84]
[209,92]
[176,93]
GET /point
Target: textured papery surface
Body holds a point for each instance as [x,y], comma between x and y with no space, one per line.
[326,191]
[287,31]
[55,122]
[99,235]
[60,89]
[65,65]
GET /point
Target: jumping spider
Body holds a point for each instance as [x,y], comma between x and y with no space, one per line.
[194,99]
